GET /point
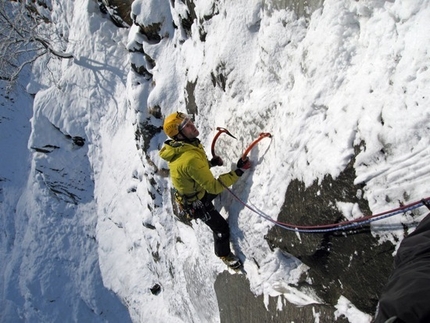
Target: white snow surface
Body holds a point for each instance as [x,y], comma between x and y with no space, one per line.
[354,71]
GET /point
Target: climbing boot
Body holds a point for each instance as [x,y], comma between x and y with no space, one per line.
[232,261]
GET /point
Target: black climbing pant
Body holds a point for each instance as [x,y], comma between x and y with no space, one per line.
[219,226]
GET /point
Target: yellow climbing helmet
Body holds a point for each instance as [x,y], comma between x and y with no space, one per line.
[174,123]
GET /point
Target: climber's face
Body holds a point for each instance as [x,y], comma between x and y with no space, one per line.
[188,129]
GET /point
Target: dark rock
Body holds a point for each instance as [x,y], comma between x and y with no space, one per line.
[45,149]
[219,76]
[238,304]
[191,99]
[141,70]
[352,264]
[145,132]
[118,10]
[156,289]
[78,141]
[148,225]
[152,32]
[144,69]
[188,21]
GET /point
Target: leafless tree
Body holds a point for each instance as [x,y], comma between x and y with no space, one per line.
[25,36]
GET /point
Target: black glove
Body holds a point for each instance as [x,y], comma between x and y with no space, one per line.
[216,161]
[242,165]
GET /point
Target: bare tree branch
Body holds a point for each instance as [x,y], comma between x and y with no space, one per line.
[23,64]
[52,50]
[25,36]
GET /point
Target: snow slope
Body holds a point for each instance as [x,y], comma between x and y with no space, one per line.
[353,72]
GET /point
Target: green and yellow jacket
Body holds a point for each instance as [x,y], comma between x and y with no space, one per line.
[189,169]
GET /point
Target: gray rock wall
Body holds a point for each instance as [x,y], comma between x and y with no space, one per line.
[238,305]
[352,263]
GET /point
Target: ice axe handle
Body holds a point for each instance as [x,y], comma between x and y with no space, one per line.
[256,141]
[220,131]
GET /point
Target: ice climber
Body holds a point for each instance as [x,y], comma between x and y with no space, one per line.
[194,183]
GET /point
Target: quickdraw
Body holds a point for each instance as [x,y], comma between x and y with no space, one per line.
[247,150]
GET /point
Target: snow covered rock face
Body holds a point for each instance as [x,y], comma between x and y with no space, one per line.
[351,263]
[66,178]
[152,21]
[119,11]
[343,92]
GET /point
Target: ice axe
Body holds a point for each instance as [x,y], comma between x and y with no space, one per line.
[256,141]
[220,131]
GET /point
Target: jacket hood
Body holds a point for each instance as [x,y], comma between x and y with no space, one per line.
[172,149]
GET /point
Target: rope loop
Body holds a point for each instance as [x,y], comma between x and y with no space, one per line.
[341,226]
